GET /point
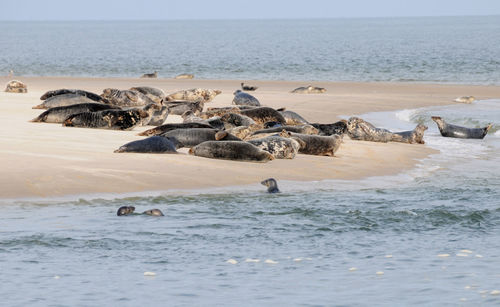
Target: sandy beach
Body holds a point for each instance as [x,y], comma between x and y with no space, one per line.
[47,160]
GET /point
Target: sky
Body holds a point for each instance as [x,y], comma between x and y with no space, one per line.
[236,9]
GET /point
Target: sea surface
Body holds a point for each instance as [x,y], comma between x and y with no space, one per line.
[427,237]
[425,49]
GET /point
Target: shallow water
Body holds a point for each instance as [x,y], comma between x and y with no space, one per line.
[429,236]
[429,49]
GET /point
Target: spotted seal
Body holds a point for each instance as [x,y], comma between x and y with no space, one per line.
[309,90]
[62,91]
[248,87]
[59,114]
[262,115]
[194,136]
[271,184]
[152,144]
[63,100]
[279,147]
[338,128]
[184,76]
[125,98]
[449,130]
[358,129]
[415,136]
[16,86]
[153,75]
[465,99]
[231,150]
[318,145]
[155,94]
[194,94]
[242,98]
[169,127]
[107,119]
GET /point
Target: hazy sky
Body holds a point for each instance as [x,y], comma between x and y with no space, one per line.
[236,9]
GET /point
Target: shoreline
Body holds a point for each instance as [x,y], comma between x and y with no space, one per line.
[51,161]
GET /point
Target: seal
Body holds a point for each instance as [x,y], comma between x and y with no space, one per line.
[248,87]
[169,127]
[465,99]
[264,114]
[243,132]
[292,118]
[153,212]
[244,99]
[155,94]
[159,116]
[211,112]
[309,90]
[152,144]
[107,119]
[279,147]
[415,136]
[338,128]
[304,129]
[453,131]
[213,122]
[232,120]
[271,184]
[180,107]
[318,145]
[62,91]
[16,86]
[63,100]
[268,125]
[125,210]
[358,129]
[153,75]
[59,114]
[184,76]
[125,98]
[194,94]
[194,136]
[231,150]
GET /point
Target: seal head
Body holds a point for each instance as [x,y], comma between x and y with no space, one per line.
[125,210]
[271,184]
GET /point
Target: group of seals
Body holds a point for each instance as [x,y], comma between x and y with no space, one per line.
[16,86]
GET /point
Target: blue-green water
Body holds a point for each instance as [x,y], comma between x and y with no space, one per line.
[428,49]
[433,231]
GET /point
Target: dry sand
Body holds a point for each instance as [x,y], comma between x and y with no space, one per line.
[47,160]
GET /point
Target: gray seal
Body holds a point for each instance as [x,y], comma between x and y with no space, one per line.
[231,150]
[318,145]
[62,91]
[338,128]
[232,120]
[304,129]
[184,76]
[358,129]
[194,136]
[180,107]
[107,119]
[244,99]
[63,100]
[264,114]
[16,86]
[168,127]
[129,210]
[279,147]
[155,94]
[292,118]
[153,144]
[153,75]
[59,114]
[309,90]
[211,112]
[125,98]
[415,136]
[271,184]
[153,212]
[194,94]
[159,116]
[465,99]
[453,131]
[214,122]
[248,87]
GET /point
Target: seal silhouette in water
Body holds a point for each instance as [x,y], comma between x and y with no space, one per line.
[453,131]
[128,210]
[271,184]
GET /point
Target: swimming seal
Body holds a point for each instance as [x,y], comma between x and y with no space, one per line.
[107,119]
[415,136]
[242,98]
[59,114]
[155,94]
[168,127]
[125,210]
[248,87]
[194,136]
[231,150]
[262,115]
[184,76]
[453,131]
[62,91]
[358,129]
[271,184]
[465,99]
[214,122]
[153,144]
[153,75]
[309,90]
[16,86]
[279,147]
[194,94]
[63,100]
[153,212]
[338,128]
[318,145]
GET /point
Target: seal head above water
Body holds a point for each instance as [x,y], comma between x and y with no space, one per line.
[271,184]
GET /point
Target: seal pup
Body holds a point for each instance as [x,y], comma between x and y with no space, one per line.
[153,75]
[292,118]
[262,115]
[318,145]
[152,144]
[231,150]
[271,184]
[155,94]
[125,210]
[242,98]
[279,147]
[107,119]
[465,99]
[415,136]
[338,128]
[248,87]
[63,100]
[193,95]
[453,131]
[309,90]
[62,91]
[125,98]
[16,86]
[153,212]
[184,76]
[358,129]
[169,127]
[194,136]
[59,114]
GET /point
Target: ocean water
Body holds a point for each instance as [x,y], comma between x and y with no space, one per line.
[427,237]
[426,49]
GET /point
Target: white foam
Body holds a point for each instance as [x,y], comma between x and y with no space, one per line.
[405,115]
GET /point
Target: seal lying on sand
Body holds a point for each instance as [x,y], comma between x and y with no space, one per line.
[62,91]
[318,145]
[180,107]
[127,210]
[168,127]
[107,119]
[415,136]
[232,120]
[309,90]
[304,129]
[248,87]
[194,94]
[153,75]
[211,112]
[231,150]
[241,98]
[63,100]
[153,144]
[184,76]
[279,147]
[465,99]
[271,184]
[453,131]
[264,114]
[214,122]
[194,136]
[59,114]
[125,98]
[16,86]
[358,129]
[155,94]
[159,116]
[338,128]
[292,118]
